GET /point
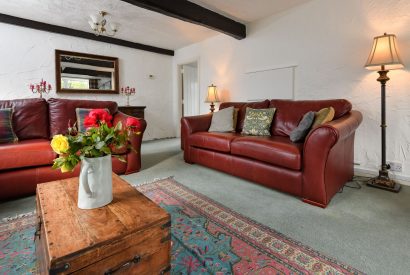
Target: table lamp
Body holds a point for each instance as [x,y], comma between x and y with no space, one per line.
[212,96]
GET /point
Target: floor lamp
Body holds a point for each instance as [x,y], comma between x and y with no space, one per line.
[384,57]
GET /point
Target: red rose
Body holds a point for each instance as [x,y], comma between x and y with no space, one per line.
[100,116]
[90,122]
[133,123]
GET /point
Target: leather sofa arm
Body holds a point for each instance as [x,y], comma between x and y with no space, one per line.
[133,158]
[192,124]
[328,158]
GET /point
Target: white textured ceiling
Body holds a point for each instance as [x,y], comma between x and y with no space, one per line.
[247,11]
[140,25]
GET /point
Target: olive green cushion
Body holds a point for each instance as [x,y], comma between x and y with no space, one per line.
[258,121]
[324,115]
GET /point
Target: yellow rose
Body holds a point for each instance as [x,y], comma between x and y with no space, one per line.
[59,143]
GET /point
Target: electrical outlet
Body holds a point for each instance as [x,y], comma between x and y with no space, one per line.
[395,166]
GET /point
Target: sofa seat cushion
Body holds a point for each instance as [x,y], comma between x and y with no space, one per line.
[276,150]
[26,153]
[214,141]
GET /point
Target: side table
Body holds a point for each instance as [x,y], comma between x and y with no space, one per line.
[135,111]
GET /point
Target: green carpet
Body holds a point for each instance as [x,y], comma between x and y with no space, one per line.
[367,228]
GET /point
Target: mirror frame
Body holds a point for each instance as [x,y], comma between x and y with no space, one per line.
[58,54]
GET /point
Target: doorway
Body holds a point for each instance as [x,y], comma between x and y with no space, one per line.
[190,97]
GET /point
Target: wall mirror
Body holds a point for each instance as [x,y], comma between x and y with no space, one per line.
[86,73]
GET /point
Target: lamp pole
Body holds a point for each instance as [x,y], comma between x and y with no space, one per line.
[383,181]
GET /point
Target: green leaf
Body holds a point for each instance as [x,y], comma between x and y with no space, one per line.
[109,136]
[100,145]
[118,127]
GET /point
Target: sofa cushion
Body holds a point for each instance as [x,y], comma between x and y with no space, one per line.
[289,112]
[323,116]
[242,110]
[26,153]
[276,150]
[222,121]
[62,112]
[258,121]
[214,141]
[7,134]
[299,133]
[30,117]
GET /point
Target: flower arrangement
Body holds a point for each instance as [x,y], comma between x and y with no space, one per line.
[127,91]
[100,139]
[40,88]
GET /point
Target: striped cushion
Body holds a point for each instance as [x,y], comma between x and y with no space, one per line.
[81,114]
[7,134]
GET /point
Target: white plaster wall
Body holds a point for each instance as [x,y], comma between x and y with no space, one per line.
[27,55]
[329,41]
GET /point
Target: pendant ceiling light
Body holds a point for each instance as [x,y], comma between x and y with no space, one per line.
[98,24]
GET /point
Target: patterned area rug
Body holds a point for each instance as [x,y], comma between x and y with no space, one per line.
[206,238]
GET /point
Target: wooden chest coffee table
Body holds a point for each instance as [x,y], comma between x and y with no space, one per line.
[131,235]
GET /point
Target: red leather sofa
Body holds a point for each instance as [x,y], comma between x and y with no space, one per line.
[35,121]
[314,170]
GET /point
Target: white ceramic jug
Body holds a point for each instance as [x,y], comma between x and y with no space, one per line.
[95,189]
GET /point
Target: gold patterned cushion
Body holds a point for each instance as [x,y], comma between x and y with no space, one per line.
[258,121]
[322,116]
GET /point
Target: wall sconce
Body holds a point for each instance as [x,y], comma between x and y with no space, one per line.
[383,57]
[212,96]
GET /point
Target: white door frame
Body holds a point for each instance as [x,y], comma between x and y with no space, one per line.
[180,91]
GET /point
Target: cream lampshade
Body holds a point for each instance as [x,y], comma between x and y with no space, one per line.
[384,53]
[212,96]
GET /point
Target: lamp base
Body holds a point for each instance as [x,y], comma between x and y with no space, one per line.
[212,107]
[384,182]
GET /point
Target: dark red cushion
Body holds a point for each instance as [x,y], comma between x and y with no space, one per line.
[277,150]
[242,110]
[30,117]
[62,112]
[289,113]
[26,153]
[213,140]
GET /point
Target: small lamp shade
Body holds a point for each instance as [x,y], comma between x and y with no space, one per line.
[384,53]
[212,94]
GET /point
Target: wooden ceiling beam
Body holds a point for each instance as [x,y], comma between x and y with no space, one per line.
[8,19]
[193,13]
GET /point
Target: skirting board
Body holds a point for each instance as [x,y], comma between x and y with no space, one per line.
[366,172]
